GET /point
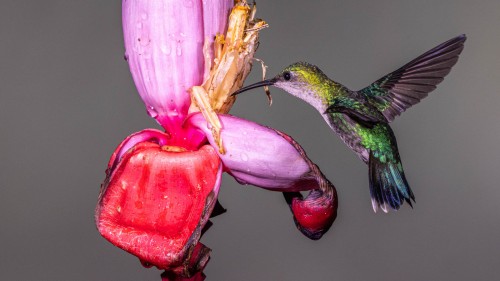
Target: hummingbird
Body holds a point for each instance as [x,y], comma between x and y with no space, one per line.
[361,118]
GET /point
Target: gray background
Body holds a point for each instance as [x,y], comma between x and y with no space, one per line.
[67,100]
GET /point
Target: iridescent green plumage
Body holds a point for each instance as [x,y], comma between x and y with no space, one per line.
[361,118]
[378,140]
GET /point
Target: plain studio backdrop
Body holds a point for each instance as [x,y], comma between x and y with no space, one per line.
[67,100]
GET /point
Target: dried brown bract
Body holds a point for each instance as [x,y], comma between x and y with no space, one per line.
[228,67]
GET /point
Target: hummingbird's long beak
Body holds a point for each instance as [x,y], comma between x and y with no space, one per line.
[268,82]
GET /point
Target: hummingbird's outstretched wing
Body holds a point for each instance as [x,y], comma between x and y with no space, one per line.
[399,90]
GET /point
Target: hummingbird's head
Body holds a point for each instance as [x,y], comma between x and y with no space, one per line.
[300,79]
[300,76]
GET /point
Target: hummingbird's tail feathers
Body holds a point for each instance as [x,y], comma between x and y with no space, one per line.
[401,89]
[388,185]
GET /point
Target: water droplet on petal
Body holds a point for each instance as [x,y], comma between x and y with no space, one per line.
[152,112]
[147,56]
[165,49]
[178,38]
[144,16]
[144,41]
[244,156]
[174,113]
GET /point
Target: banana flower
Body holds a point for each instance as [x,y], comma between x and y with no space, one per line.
[186,58]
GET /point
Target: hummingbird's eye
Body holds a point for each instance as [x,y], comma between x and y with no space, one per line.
[287,76]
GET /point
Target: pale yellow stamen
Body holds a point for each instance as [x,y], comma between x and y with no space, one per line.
[200,98]
[170,148]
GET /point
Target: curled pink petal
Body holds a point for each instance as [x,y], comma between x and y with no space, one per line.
[156,136]
[149,135]
[315,214]
[164,48]
[258,155]
[267,158]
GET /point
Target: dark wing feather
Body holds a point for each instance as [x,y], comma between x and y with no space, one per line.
[356,108]
[363,120]
[399,90]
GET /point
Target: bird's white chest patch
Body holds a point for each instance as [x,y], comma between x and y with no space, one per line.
[310,98]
